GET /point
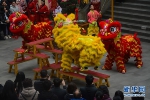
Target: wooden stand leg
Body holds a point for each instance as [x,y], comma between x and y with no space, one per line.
[15,69]
[60,76]
[38,61]
[107,82]
[57,74]
[16,56]
[35,75]
[47,62]
[70,79]
[10,68]
[56,58]
[22,56]
[52,73]
[100,81]
[96,84]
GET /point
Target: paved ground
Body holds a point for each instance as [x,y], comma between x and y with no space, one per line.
[117,80]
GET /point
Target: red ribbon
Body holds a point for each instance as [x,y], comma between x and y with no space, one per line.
[76,15]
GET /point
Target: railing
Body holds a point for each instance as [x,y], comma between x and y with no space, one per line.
[112,9]
[105,4]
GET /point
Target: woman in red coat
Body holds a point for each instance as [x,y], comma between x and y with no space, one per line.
[31,9]
[43,11]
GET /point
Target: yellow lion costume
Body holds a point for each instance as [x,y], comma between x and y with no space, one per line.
[84,50]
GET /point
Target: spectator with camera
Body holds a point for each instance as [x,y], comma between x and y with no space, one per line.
[38,84]
[57,90]
[88,92]
[70,90]
[46,94]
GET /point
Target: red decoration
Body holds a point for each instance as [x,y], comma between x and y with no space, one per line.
[78,1]
[76,13]
[20,25]
[119,48]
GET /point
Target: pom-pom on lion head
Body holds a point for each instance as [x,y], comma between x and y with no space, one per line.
[62,20]
[17,23]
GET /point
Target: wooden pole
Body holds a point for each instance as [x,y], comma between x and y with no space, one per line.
[112,9]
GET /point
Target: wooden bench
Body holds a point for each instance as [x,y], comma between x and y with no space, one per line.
[39,41]
[54,67]
[55,51]
[32,45]
[96,74]
[78,76]
[18,59]
[42,58]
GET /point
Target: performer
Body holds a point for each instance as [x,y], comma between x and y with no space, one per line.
[37,18]
[57,10]
[53,5]
[96,4]
[43,11]
[31,9]
[93,16]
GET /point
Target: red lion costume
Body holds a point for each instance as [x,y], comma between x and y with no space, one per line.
[20,25]
[119,48]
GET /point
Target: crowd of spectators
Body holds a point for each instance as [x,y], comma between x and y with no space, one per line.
[45,89]
[7,7]
[4,21]
[35,12]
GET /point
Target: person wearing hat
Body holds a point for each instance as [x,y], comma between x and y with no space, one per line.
[60,93]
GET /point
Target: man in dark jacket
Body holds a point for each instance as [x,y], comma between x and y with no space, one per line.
[88,92]
[57,90]
[4,21]
[38,84]
[1,88]
[47,94]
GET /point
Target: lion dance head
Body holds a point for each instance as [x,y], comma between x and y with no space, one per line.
[18,23]
[109,29]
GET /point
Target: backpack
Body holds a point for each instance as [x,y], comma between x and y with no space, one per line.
[25,98]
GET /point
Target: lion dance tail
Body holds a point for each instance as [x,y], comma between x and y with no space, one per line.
[136,50]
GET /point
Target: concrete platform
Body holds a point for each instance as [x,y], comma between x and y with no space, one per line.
[133,77]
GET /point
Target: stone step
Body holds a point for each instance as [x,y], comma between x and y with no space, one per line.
[138,31]
[128,19]
[131,9]
[135,5]
[135,26]
[139,1]
[129,14]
